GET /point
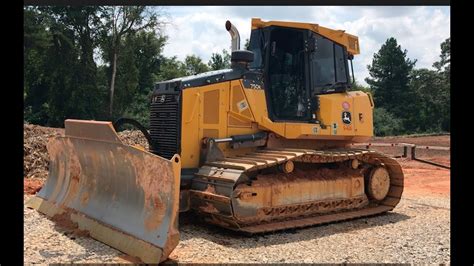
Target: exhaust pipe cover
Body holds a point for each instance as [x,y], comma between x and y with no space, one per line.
[234,34]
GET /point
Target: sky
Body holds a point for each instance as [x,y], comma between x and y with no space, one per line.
[200,30]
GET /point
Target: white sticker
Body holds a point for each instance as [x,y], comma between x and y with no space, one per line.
[242,105]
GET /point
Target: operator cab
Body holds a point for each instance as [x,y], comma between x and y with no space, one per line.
[298,65]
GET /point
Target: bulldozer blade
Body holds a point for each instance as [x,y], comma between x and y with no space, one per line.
[120,195]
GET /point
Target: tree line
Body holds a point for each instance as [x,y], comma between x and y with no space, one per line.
[98,62]
[409,100]
[101,63]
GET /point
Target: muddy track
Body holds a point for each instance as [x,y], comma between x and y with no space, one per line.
[224,175]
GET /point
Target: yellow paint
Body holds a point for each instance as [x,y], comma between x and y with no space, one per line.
[351,42]
[191,102]
[211,99]
[234,121]
[239,104]
[362,116]
[255,98]
[219,101]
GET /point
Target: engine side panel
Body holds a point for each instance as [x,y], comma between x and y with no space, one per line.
[204,115]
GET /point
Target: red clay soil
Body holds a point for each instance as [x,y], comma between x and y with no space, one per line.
[426,180]
[32,185]
[442,140]
[422,179]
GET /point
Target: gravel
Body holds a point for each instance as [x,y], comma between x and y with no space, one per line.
[417,231]
[45,243]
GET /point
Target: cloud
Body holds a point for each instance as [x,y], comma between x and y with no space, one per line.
[418,29]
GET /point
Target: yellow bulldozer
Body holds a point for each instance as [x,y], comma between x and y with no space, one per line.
[260,147]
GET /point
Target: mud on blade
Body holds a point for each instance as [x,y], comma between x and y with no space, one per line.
[124,197]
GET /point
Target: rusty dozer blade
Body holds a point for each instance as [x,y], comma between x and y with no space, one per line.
[122,196]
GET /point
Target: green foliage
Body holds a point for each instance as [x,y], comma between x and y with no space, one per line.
[60,73]
[139,108]
[386,124]
[219,61]
[194,65]
[171,68]
[62,79]
[444,64]
[127,77]
[123,24]
[433,101]
[389,79]
[409,100]
[37,41]
[247,44]
[148,49]
[356,86]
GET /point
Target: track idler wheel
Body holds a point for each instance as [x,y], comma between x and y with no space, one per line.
[287,167]
[378,183]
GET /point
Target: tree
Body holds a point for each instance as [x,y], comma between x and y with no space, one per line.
[36,41]
[443,88]
[145,56]
[386,124]
[171,68]
[86,24]
[63,79]
[389,80]
[444,64]
[432,96]
[148,55]
[356,86]
[127,76]
[219,61]
[123,21]
[60,72]
[194,65]
[247,44]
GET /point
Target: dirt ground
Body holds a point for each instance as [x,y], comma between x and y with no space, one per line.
[436,140]
[424,184]
[422,179]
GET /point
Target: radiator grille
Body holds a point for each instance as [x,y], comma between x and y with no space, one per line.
[165,129]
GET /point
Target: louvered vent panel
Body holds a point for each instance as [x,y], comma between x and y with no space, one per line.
[165,124]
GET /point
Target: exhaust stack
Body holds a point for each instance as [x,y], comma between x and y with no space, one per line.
[234,34]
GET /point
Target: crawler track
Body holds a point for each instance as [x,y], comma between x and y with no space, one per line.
[216,190]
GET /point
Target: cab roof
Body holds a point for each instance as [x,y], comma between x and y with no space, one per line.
[351,42]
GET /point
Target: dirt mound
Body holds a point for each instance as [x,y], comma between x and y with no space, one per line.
[35,154]
[133,137]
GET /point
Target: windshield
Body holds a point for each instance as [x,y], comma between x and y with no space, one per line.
[328,65]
